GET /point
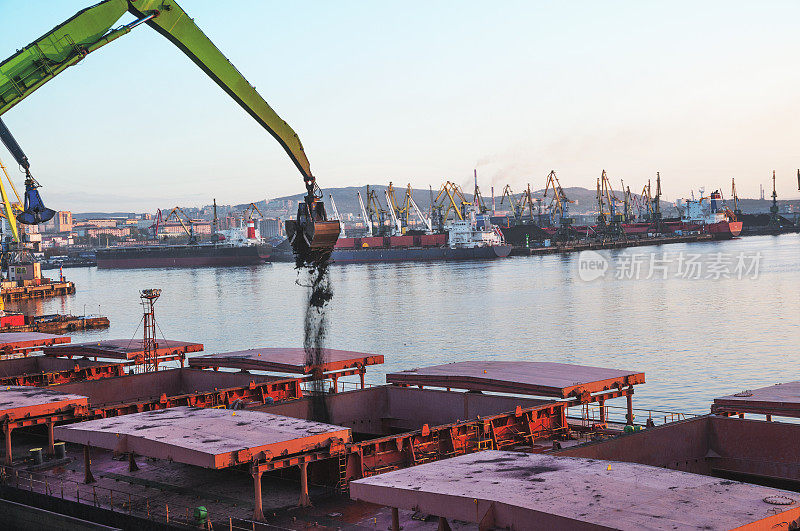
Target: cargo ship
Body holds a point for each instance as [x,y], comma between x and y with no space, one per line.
[708,215]
[234,247]
[473,239]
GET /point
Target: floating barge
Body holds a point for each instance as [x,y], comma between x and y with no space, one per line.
[35,289]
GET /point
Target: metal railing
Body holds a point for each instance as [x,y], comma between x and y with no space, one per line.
[590,413]
[100,497]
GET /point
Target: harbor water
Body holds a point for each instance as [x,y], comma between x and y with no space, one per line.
[701,320]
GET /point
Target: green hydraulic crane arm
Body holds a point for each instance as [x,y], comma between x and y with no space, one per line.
[90,29]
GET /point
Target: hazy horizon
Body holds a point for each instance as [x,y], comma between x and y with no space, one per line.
[421,93]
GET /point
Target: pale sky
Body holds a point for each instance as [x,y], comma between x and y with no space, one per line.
[420,92]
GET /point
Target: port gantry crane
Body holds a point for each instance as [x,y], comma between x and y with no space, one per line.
[608,220]
[311,233]
[558,206]
[526,200]
[409,206]
[451,191]
[337,216]
[508,192]
[375,210]
[736,210]
[627,203]
[364,216]
[774,217]
[176,213]
[410,203]
[477,197]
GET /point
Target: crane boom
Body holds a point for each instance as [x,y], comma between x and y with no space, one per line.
[422,218]
[337,216]
[397,227]
[364,215]
[90,29]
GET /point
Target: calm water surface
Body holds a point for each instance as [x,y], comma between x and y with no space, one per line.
[694,339]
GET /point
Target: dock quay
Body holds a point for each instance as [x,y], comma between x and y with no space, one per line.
[153,447]
[578,246]
[52,324]
[35,289]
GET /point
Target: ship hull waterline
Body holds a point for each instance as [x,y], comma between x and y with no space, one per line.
[418,254]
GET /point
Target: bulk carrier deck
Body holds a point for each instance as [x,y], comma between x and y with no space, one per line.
[210,437]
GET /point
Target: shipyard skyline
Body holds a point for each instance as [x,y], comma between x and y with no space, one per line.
[528,87]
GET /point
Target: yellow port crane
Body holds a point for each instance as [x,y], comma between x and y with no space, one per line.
[248,212]
[627,203]
[10,210]
[560,202]
[374,211]
[646,203]
[526,200]
[508,192]
[176,213]
[451,191]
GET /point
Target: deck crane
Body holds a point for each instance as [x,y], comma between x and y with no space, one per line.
[337,216]
[367,219]
[311,233]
